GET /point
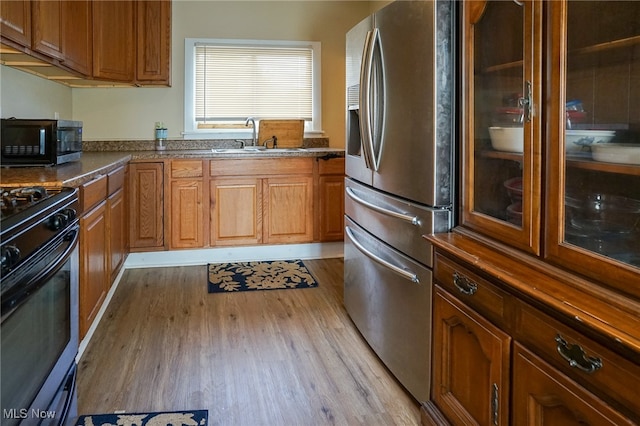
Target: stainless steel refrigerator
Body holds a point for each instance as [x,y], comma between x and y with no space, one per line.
[399,185]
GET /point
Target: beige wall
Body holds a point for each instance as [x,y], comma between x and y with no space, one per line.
[131,113]
[24,95]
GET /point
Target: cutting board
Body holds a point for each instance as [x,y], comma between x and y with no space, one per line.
[289,132]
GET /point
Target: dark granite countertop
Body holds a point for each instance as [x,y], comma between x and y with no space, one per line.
[94,163]
[71,174]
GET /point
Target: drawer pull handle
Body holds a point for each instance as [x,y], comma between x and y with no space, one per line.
[577,357]
[464,284]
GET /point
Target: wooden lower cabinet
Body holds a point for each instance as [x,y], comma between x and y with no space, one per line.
[118,230]
[103,240]
[186,209]
[236,202]
[288,209]
[501,359]
[470,364]
[261,201]
[93,264]
[544,397]
[330,199]
[187,214]
[146,206]
[236,211]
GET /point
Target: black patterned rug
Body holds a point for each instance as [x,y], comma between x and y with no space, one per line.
[174,418]
[266,275]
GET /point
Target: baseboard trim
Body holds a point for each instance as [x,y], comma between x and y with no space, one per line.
[164,259]
[159,259]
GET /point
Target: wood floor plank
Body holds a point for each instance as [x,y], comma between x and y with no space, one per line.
[278,357]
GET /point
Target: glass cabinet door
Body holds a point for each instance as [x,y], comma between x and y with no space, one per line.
[501,139]
[594,140]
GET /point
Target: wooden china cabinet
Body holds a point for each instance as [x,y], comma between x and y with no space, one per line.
[537,304]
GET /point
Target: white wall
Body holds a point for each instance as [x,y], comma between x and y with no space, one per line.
[24,95]
[130,113]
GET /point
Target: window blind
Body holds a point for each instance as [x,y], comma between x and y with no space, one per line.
[235,82]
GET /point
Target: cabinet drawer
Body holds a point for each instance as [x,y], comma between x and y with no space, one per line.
[607,374]
[115,180]
[473,290]
[334,166]
[261,166]
[91,193]
[186,168]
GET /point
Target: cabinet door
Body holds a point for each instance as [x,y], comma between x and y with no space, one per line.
[544,397]
[116,209]
[153,62]
[46,18]
[113,33]
[470,365]
[187,214]
[288,209]
[501,111]
[236,211]
[93,265]
[15,20]
[331,208]
[594,141]
[146,204]
[77,35]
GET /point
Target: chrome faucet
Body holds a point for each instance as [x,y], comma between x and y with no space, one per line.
[254,139]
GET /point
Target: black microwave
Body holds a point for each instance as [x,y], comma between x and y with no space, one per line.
[27,142]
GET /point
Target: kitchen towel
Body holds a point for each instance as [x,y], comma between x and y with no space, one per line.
[174,418]
[266,275]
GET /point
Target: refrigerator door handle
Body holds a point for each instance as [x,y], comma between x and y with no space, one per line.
[414,220]
[398,270]
[366,72]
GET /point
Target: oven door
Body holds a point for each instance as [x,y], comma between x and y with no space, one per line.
[39,331]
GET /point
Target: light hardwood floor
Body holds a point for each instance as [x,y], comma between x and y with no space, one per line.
[278,357]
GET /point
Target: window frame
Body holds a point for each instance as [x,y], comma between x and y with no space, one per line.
[190,127]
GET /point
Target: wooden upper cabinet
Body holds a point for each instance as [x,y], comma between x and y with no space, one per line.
[593,145]
[77,35]
[46,18]
[113,34]
[551,156]
[153,64]
[15,22]
[501,115]
[61,30]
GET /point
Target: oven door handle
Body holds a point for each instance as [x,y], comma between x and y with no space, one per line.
[62,248]
[62,403]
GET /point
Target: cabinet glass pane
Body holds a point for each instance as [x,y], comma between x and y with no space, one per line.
[602,136]
[498,111]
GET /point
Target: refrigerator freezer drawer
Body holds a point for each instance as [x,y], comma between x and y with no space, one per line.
[391,306]
[397,222]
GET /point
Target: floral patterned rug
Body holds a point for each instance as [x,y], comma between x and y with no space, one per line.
[267,275]
[179,418]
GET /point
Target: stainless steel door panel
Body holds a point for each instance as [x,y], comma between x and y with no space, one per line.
[416,158]
[399,223]
[390,306]
[355,162]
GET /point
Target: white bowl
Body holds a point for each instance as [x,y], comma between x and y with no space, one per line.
[510,139]
[616,153]
[580,140]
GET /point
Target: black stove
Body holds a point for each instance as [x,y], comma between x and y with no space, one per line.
[30,217]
